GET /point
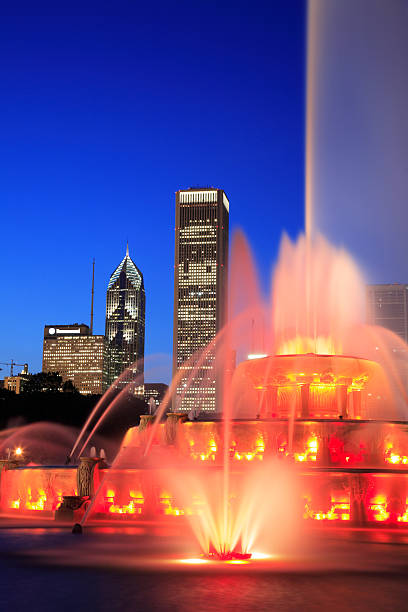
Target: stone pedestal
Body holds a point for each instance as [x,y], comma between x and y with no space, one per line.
[86,476]
[146,421]
[172,423]
[87,482]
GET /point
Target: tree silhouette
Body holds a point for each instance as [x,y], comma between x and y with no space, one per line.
[43,382]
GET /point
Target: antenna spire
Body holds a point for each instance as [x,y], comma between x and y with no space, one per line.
[92,298]
[127,248]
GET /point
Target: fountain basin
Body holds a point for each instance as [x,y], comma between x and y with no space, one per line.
[349,470]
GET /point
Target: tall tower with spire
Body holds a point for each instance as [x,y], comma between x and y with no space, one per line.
[125,322]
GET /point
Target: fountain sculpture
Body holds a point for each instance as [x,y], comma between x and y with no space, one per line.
[312,431]
[315,437]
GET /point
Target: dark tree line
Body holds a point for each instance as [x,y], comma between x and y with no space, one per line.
[46,398]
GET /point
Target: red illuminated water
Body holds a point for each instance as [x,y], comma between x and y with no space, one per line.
[310,432]
[305,436]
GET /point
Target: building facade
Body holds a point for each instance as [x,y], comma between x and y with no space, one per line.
[76,355]
[200,295]
[16,383]
[387,306]
[157,391]
[125,323]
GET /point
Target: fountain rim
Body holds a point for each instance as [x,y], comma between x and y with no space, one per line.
[297,420]
[339,357]
[315,368]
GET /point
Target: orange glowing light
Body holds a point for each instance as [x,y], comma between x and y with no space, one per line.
[259,555]
[18,451]
[379,509]
[260,445]
[124,509]
[134,506]
[248,455]
[37,505]
[237,562]
[213,446]
[404,517]
[310,454]
[169,509]
[395,458]
[209,453]
[339,511]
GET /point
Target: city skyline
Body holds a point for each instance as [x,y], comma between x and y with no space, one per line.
[92,156]
[98,140]
[203,228]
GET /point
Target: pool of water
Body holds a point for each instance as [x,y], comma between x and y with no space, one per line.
[43,568]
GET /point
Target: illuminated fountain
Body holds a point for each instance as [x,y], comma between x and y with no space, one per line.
[313,432]
[306,438]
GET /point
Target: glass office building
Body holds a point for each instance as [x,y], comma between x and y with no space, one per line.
[200,295]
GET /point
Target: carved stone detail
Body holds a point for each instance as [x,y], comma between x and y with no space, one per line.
[172,424]
[359,487]
[85,476]
[146,420]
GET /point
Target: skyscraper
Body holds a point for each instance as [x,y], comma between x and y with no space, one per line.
[125,321]
[200,292]
[387,305]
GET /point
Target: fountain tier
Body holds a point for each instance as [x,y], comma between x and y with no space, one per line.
[312,386]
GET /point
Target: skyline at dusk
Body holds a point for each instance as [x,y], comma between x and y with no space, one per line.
[107,117]
[205,303]
[101,132]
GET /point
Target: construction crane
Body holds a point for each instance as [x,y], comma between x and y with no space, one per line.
[12,363]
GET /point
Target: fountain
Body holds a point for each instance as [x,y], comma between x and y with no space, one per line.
[310,432]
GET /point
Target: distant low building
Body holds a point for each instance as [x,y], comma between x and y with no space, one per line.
[16,383]
[12,383]
[155,390]
[76,355]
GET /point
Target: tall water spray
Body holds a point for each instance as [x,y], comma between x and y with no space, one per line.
[357,130]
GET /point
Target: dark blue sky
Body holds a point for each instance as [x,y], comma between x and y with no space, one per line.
[104,118]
